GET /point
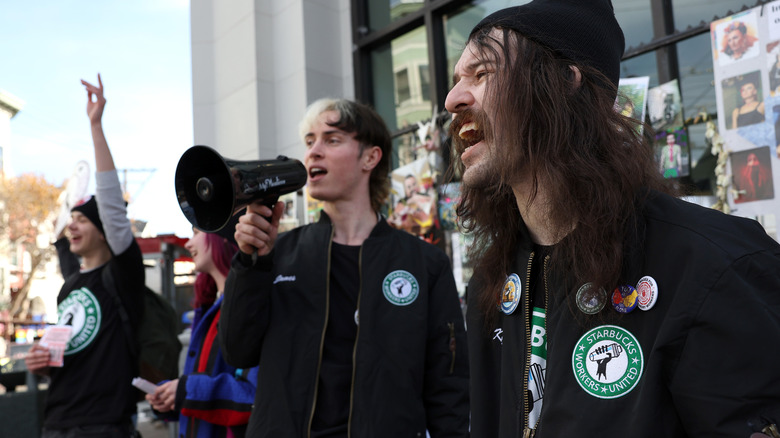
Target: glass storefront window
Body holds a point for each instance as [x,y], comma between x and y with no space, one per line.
[696,78]
[383,12]
[635,20]
[698,95]
[401,87]
[458,25]
[643,65]
[693,12]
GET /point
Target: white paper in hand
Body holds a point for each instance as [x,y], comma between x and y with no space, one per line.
[144,385]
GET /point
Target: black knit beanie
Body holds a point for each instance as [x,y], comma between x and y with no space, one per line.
[583,31]
[89,208]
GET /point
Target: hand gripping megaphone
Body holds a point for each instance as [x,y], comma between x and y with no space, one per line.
[210,188]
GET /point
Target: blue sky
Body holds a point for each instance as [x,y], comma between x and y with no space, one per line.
[141,48]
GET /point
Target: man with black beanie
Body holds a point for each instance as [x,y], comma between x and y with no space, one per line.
[600,305]
[91,393]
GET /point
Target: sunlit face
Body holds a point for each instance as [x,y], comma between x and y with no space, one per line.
[84,236]
[200,251]
[466,102]
[333,161]
[670,139]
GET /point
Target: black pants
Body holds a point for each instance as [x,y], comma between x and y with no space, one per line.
[92,431]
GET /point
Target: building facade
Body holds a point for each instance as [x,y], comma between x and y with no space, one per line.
[258,63]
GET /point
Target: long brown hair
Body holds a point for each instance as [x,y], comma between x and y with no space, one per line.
[567,139]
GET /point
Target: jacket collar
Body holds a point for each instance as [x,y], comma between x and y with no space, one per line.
[633,238]
[382,228]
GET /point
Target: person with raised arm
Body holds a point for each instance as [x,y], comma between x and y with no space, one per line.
[91,394]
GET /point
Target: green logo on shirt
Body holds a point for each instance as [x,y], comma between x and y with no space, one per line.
[400,288]
[81,311]
[607,362]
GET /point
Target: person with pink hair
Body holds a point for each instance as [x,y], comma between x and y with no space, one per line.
[211,397]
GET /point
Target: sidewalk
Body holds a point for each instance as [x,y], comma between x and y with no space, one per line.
[151,428]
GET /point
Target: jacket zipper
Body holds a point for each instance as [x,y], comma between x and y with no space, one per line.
[527,303]
[354,349]
[322,336]
[528,432]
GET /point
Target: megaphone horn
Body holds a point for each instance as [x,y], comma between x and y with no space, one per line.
[210,188]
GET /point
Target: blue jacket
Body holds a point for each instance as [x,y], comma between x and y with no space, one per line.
[208,403]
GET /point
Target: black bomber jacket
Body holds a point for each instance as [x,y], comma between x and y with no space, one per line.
[704,361]
[410,367]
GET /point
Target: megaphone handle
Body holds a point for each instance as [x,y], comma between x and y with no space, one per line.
[270,203]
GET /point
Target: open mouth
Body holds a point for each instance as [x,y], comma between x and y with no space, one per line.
[314,172]
[470,133]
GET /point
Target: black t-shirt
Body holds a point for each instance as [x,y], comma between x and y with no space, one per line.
[94,384]
[331,414]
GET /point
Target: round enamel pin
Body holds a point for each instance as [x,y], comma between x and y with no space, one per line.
[607,362]
[624,298]
[591,300]
[647,290]
[400,288]
[510,296]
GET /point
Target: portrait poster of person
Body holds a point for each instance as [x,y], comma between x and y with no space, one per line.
[632,98]
[673,153]
[743,100]
[776,115]
[753,177]
[289,219]
[449,195]
[773,65]
[664,106]
[736,38]
[413,206]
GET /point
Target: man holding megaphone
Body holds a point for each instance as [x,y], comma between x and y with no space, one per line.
[356,326]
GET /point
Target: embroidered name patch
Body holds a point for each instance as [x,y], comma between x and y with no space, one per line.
[607,362]
[80,310]
[400,288]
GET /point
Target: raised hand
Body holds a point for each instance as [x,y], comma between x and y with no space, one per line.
[95,100]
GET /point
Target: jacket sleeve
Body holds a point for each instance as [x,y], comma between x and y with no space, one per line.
[127,263]
[727,375]
[246,310]
[446,388]
[225,399]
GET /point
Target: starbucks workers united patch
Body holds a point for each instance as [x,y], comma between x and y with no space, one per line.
[80,310]
[607,362]
[400,288]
